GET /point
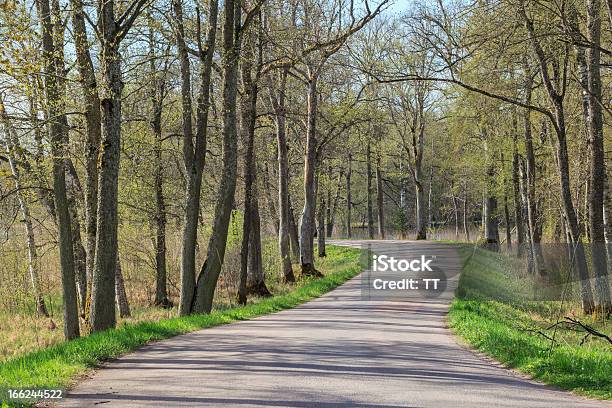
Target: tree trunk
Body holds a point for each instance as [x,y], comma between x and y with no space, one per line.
[570,214]
[194,156]
[278,102]
[120,294]
[516,189]
[87,79]
[207,281]
[608,220]
[490,214]
[466,223]
[598,170]
[256,278]
[349,198]
[533,234]
[321,226]
[270,200]
[421,215]
[333,208]
[10,143]
[558,119]
[294,234]
[59,138]
[380,201]
[507,221]
[80,255]
[455,211]
[369,192]
[157,97]
[105,263]
[307,222]
[248,112]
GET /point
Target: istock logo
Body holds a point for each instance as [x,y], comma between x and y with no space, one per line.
[383,263]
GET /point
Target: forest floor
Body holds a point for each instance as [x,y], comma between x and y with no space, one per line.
[56,366]
[491,314]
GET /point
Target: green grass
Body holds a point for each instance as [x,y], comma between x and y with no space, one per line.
[57,366]
[491,315]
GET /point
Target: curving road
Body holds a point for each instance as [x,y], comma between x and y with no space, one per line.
[341,350]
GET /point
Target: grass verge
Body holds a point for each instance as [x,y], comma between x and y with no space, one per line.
[58,365]
[489,315]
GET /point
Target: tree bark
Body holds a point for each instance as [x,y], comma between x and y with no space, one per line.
[516,189]
[157,97]
[248,112]
[278,103]
[194,156]
[598,170]
[256,277]
[533,232]
[349,197]
[608,220]
[558,120]
[369,192]
[466,223]
[59,138]
[105,261]
[380,203]
[507,221]
[89,88]
[294,234]
[333,208]
[207,281]
[120,294]
[307,222]
[321,226]
[455,211]
[80,256]
[270,200]
[490,213]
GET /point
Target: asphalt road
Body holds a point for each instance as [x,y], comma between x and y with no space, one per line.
[341,350]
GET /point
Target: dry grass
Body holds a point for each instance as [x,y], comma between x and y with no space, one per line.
[21,330]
